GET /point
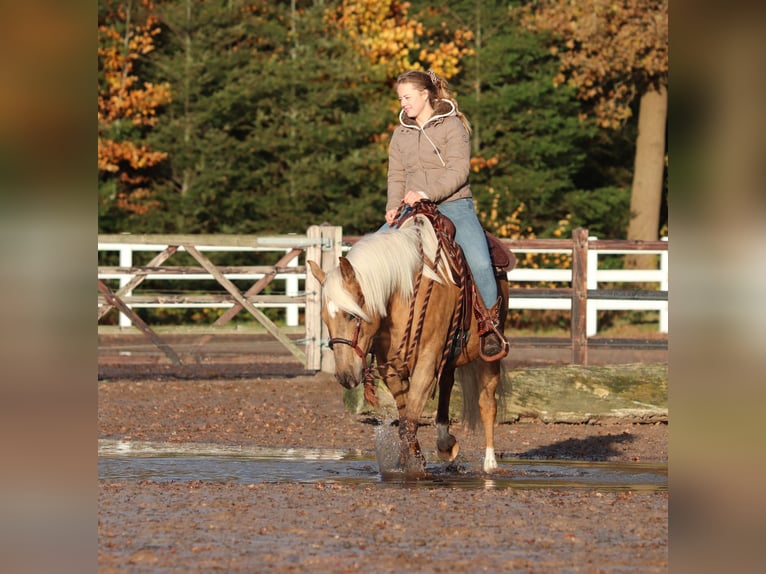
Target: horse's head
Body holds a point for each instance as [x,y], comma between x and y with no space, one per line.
[351,326]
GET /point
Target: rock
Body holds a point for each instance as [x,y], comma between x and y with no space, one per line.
[564,394]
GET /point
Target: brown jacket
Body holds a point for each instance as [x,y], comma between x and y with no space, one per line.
[434,159]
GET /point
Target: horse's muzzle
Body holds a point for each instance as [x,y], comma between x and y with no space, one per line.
[347,380]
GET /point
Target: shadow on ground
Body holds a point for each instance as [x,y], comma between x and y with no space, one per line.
[593,448]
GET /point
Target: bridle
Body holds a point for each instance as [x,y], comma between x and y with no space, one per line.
[353,343]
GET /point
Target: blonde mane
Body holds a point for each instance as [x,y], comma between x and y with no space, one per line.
[385,264]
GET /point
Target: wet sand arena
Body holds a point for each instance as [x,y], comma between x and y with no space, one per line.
[273,475]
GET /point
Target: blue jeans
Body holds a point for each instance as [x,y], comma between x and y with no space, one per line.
[469,234]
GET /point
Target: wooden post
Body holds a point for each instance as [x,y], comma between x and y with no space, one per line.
[579,296]
[325,254]
[312,314]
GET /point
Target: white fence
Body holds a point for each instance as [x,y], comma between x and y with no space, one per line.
[596,276]
[291,282]
[294,283]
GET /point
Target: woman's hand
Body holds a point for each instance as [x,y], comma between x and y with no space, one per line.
[413,197]
[410,198]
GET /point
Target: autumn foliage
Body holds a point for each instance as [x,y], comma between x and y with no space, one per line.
[127,107]
[281,112]
[388,35]
[609,50]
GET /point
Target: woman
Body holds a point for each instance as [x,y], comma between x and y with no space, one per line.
[429,158]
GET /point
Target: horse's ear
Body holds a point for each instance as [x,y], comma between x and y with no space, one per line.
[349,281]
[346,270]
[317,271]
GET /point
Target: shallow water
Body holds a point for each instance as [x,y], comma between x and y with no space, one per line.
[164,462]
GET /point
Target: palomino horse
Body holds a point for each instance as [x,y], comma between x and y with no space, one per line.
[393,295]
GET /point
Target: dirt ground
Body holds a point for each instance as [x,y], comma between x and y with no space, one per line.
[201,526]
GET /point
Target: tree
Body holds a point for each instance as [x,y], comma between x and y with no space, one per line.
[388,35]
[273,125]
[281,113]
[127,108]
[202,47]
[613,52]
[527,140]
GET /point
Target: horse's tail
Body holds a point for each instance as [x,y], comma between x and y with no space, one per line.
[468,376]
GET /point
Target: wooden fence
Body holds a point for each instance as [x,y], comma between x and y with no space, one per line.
[324,244]
[321,243]
[584,297]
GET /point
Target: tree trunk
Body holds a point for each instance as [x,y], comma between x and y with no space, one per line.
[648,171]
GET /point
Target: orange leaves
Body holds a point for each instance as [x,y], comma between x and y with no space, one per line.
[112,154]
[606,49]
[387,35]
[126,106]
[125,102]
[479,163]
[119,96]
[502,225]
[138,201]
[381,31]
[125,160]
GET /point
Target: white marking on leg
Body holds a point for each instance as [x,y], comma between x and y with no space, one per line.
[490,463]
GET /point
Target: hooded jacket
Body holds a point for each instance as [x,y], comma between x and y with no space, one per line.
[433,159]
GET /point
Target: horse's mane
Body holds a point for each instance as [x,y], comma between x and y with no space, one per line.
[384,263]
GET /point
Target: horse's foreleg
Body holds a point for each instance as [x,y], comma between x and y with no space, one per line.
[488,413]
[447,446]
[410,457]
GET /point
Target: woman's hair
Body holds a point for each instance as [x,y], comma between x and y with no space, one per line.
[438,89]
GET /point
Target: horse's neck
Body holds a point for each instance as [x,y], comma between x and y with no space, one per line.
[436,265]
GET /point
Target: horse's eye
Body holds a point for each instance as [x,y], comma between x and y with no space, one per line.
[350,317]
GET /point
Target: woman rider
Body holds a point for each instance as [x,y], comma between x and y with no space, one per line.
[429,158]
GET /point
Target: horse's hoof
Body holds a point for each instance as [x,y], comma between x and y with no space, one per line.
[413,467]
[449,454]
[490,463]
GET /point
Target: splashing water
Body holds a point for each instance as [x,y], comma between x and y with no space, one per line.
[387,452]
[387,447]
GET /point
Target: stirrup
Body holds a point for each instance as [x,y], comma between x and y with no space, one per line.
[500,354]
[489,327]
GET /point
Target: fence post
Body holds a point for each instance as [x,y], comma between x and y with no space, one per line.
[126,260]
[579,296]
[325,254]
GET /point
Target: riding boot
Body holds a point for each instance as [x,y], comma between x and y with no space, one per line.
[493,346]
